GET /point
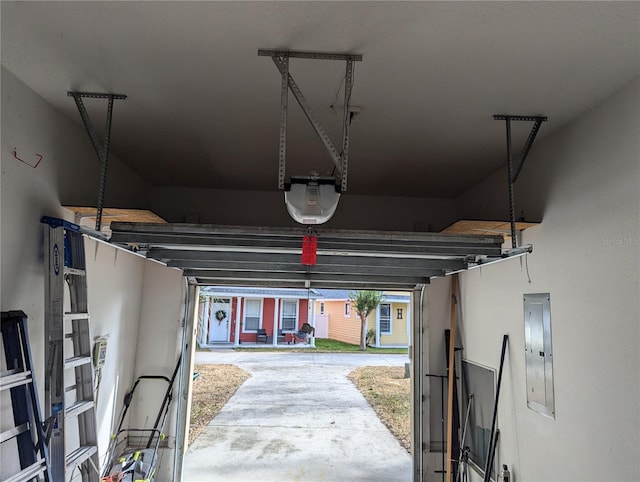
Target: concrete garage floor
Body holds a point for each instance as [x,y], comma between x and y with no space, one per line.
[298,418]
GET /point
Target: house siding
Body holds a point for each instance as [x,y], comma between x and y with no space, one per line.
[249,336]
[267,318]
[398,335]
[268,305]
[342,328]
[347,328]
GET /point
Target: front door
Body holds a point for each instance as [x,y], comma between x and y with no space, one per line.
[219,320]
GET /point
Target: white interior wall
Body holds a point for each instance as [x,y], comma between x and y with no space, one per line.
[585,180]
[114,284]
[68,174]
[435,319]
[159,342]
[257,208]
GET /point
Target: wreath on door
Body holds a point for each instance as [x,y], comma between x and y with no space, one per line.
[220,315]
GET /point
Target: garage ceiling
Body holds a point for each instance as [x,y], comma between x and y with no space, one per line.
[203,107]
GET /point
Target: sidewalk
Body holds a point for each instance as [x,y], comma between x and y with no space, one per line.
[298,418]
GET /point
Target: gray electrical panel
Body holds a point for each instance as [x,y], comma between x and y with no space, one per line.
[538,353]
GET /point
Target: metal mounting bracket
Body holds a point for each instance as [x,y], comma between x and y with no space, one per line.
[281,60]
[102,150]
[513,175]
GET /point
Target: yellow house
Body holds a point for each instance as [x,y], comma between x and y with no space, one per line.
[336,318]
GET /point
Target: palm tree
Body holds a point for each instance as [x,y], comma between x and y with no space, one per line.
[364,302]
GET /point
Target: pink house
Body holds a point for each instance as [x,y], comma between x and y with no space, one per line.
[235,315]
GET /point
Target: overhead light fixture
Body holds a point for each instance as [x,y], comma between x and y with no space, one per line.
[311,199]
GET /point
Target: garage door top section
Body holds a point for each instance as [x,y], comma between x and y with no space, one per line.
[264,256]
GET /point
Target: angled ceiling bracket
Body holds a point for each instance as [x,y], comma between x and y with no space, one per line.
[511,173]
[102,150]
[281,60]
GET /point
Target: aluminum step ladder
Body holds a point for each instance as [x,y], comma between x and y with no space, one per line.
[27,435]
[69,387]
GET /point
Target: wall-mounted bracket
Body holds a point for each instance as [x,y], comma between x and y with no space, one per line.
[511,173]
[281,60]
[102,150]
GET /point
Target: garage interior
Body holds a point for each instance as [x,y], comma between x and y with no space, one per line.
[186,187]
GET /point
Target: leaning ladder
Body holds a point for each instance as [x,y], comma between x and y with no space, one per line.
[69,395]
[27,432]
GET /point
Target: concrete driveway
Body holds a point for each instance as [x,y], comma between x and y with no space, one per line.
[298,418]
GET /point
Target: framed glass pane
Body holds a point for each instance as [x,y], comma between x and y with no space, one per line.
[252,312]
[253,307]
[385,318]
[289,315]
[251,323]
[289,308]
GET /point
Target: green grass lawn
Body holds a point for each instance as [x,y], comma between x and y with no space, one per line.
[324,345]
[327,345]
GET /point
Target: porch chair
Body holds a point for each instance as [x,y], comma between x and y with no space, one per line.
[261,335]
[281,337]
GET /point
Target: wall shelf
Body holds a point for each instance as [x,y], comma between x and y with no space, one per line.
[467,226]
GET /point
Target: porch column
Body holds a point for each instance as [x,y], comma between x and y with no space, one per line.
[207,318]
[409,324]
[236,341]
[378,326]
[274,342]
[313,322]
[202,333]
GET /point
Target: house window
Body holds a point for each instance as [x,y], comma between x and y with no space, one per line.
[322,308]
[347,309]
[289,315]
[385,318]
[252,315]
[399,314]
